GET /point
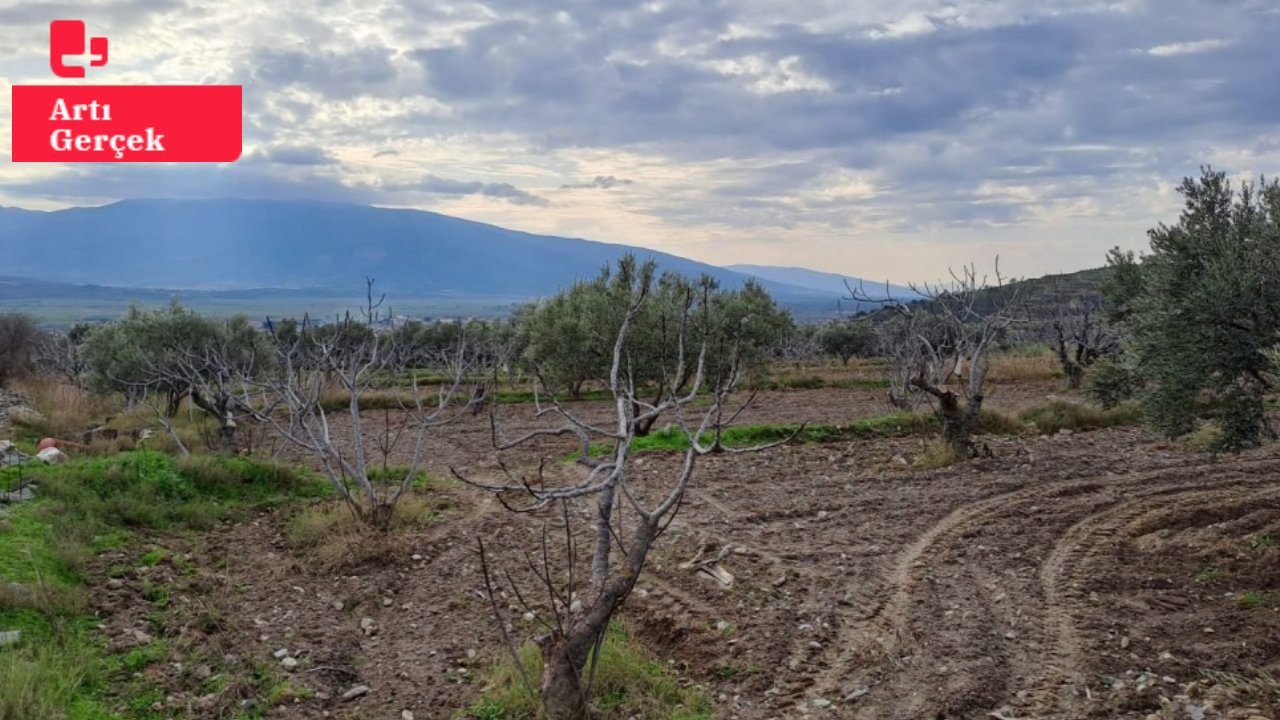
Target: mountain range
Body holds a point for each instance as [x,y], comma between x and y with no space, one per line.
[226,248]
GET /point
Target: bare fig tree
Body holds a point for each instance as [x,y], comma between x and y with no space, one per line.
[800,347]
[342,364]
[898,342]
[619,549]
[1081,336]
[218,371]
[58,355]
[941,345]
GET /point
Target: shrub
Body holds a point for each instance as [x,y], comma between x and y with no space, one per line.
[1205,438]
[314,523]
[1063,415]
[994,422]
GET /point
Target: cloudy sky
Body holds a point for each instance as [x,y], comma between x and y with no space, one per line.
[882,138]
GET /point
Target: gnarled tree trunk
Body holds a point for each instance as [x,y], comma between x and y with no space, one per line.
[1075,375]
[563,696]
[565,656]
[959,420]
[221,409]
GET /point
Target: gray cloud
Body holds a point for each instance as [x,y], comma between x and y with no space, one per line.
[118,14]
[334,73]
[435,185]
[298,155]
[599,182]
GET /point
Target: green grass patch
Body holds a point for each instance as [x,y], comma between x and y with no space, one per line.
[393,475]
[49,680]
[151,558]
[673,438]
[27,547]
[900,424]
[1045,419]
[630,683]
[1260,599]
[59,670]
[1206,438]
[729,671]
[144,655]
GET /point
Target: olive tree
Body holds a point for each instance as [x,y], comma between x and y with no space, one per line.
[127,356]
[570,335]
[799,347]
[1202,309]
[175,354]
[847,338]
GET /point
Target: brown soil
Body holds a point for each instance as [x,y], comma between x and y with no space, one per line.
[1097,574]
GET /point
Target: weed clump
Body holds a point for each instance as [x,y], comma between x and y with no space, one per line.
[629,684]
[937,455]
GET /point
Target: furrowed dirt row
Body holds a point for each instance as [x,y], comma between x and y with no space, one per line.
[948,628]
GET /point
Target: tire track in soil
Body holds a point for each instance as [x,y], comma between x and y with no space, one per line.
[1065,573]
[881,627]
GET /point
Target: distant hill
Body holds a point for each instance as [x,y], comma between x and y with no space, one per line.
[1082,285]
[823,281]
[323,248]
[1043,295]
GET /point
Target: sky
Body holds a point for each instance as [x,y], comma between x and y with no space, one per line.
[887,139]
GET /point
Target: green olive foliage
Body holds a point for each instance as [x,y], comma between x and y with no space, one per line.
[1202,310]
[569,337]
